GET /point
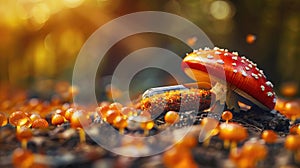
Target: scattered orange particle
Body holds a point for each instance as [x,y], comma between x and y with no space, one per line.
[269,136]
[120,123]
[146,126]
[22,158]
[232,133]
[289,89]
[192,41]
[250,38]
[280,104]
[79,119]
[292,109]
[57,119]
[69,113]
[292,142]
[19,118]
[40,123]
[227,115]
[171,117]
[111,115]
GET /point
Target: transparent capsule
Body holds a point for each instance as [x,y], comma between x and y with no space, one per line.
[178,98]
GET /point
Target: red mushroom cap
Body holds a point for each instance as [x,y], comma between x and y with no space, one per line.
[242,75]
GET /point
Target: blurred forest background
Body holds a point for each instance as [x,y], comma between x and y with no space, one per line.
[40,39]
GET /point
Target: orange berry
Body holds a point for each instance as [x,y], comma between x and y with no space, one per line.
[120,122]
[269,136]
[3,119]
[292,110]
[69,113]
[227,115]
[40,123]
[111,115]
[57,119]
[232,132]
[292,142]
[147,125]
[79,119]
[22,158]
[19,118]
[102,110]
[250,38]
[171,117]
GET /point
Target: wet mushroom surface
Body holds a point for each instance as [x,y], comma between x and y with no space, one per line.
[50,133]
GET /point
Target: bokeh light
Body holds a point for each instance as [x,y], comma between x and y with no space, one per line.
[221,10]
[40,39]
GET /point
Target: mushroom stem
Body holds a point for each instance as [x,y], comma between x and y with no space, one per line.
[81,135]
[24,144]
[233,145]
[230,98]
[226,144]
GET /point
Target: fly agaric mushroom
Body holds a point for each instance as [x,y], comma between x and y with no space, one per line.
[242,77]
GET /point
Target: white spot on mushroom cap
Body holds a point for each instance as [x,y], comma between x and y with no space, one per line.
[233,64]
[216,48]
[220,61]
[244,73]
[217,52]
[210,56]
[268,83]
[225,54]
[234,71]
[274,100]
[254,75]
[269,94]
[235,58]
[262,87]
[247,69]
[206,48]
[235,53]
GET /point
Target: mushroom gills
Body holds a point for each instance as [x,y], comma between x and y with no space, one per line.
[233,94]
